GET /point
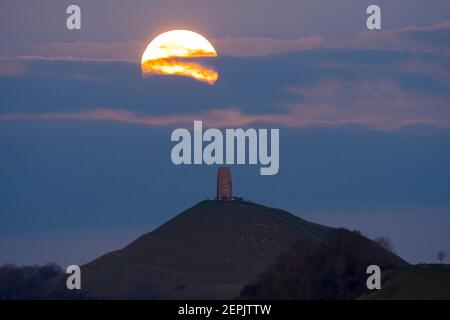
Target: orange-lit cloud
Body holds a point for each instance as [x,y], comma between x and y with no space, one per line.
[173,66]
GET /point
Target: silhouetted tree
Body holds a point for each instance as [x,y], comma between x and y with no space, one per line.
[334,268]
[441,255]
[385,242]
[25,282]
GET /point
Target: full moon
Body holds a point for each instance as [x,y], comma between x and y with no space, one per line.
[173,53]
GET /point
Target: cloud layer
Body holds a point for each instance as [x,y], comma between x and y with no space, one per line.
[379,80]
[430,38]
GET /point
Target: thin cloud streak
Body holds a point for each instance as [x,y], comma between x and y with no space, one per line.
[430,38]
[261,47]
[228,118]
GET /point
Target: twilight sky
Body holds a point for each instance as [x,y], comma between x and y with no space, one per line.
[364,119]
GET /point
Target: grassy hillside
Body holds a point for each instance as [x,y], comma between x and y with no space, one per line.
[208,251]
[418,282]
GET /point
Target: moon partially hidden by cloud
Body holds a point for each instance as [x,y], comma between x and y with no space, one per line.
[174,53]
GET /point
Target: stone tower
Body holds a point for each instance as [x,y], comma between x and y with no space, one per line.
[224,187]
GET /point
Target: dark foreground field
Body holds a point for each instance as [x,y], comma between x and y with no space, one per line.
[418,282]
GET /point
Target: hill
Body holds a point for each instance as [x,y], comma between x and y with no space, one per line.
[210,251]
[418,282]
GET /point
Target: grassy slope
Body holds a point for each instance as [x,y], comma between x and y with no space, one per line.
[210,250]
[417,282]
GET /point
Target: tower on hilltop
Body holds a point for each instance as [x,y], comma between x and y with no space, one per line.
[224,186]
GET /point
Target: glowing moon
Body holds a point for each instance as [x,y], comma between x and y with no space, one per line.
[168,54]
